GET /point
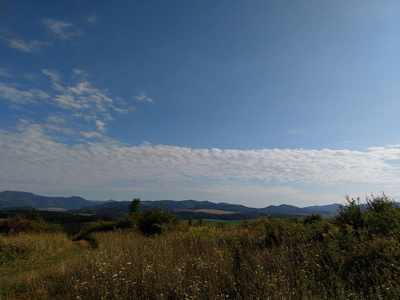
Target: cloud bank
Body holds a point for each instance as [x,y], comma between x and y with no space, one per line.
[60,143]
[29,155]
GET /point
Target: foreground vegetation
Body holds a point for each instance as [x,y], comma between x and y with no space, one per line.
[152,256]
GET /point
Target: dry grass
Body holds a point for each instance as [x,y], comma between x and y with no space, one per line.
[270,259]
[31,257]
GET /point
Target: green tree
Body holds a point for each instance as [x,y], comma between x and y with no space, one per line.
[351,214]
[313,218]
[134,206]
[156,220]
[200,222]
[379,216]
[382,216]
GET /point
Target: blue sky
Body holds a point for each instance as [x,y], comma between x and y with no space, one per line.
[258,103]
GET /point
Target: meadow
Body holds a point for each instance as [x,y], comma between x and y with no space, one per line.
[151,255]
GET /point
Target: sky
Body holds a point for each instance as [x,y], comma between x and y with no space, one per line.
[247,102]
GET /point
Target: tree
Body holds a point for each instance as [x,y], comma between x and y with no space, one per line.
[382,216]
[200,222]
[313,218]
[351,214]
[156,220]
[379,216]
[134,206]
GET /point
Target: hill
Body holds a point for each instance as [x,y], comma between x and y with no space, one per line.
[12,199]
[207,209]
[185,208]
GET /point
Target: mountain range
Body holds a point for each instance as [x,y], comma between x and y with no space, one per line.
[13,200]
[24,200]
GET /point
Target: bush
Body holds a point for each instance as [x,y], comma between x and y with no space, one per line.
[350,214]
[372,264]
[313,218]
[379,216]
[382,216]
[156,220]
[16,225]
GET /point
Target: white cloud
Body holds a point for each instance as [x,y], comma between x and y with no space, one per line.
[84,107]
[82,95]
[84,100]
[67,101]
[92,19]
[392,146]
[4,73]
[91,134]
[64,130]
[142,96]
[25,46]
[21,44]
[59,124]
[55,119]
[30,155]
[53,75]
[79,72]
[16,95]
[63,30]
[100,125]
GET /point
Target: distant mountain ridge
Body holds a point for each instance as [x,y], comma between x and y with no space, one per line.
[13,200]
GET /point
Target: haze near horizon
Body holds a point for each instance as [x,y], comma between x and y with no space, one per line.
[259,103]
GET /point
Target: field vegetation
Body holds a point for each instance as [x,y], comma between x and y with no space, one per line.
[151,255]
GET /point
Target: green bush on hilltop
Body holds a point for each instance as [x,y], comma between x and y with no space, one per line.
[156,221]
[379,216]
[382,216]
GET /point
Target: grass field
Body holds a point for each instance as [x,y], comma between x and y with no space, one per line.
[27,259]
[354,256]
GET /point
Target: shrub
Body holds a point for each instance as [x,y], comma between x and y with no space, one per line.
[382,216]
[16,225]
[156,220]
[201,222]
[313,218]
[351,214]
[134,206]
[276,231]
[372,264]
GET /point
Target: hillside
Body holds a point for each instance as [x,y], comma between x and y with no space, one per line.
[185,208]
[201,209]
[12,199]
